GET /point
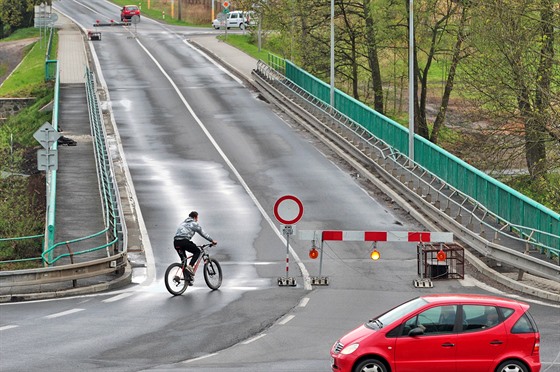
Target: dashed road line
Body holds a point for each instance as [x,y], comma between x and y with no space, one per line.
[8,327]
[254,339]
[63,313]
[286,319]
[118,297]
[199,358]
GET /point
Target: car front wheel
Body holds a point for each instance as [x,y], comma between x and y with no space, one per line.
[512,366]
[371,365]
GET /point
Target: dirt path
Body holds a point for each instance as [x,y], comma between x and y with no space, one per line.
[11,54]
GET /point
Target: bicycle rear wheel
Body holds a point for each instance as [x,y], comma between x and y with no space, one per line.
[212,274]
[174,278]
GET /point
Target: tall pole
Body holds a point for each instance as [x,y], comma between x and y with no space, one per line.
[411,80]
[332,53]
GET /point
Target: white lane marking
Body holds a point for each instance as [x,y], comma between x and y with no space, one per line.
[119,297]
[305,273]
[286,319]
[253,339]
[63,313]
[199,358]
[8,327]
[304,301]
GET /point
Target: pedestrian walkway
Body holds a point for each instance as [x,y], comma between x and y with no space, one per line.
[78,202]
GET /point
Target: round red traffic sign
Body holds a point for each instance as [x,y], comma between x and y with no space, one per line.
[288,209]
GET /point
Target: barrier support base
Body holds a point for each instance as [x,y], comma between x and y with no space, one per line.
[423,283]
[286,281]
[319,280]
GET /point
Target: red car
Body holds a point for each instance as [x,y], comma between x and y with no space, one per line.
[128,11]
[444,333]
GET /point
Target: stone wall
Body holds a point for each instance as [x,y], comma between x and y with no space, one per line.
[11,106]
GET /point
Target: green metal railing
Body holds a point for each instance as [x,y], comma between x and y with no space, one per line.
[526,217]
[113,229]
[50,64]
[114,233]
[277,63]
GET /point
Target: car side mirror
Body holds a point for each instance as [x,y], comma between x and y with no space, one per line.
[416,331]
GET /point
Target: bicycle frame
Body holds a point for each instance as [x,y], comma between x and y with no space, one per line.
[204,255]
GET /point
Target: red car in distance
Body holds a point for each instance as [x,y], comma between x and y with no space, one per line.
[444,333]
[128,11]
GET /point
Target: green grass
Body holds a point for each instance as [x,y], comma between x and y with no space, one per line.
[246,44]
[23,33]
[28,80]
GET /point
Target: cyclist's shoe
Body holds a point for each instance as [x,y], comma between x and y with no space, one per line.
[189,269]
[191,282]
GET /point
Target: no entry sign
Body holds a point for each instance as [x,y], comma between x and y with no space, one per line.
[288,209]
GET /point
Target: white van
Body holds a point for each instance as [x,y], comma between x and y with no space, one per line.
[237,18]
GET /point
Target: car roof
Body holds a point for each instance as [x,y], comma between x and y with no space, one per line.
[472,299]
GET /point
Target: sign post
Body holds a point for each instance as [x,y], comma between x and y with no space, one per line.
[288,210]
[47,159]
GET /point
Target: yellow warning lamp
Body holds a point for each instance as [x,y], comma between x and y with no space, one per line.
[375,255]
[441,255]
[313,253]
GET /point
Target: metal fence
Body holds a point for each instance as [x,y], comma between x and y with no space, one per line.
[514,211]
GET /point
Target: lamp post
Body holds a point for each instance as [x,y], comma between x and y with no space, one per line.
[332,54]
[411,80]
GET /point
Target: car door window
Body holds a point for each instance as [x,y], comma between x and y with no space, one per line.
[437,320]
[479,317]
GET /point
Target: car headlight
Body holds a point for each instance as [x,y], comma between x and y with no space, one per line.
[349,349]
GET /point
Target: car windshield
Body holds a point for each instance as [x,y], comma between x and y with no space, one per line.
[395,313]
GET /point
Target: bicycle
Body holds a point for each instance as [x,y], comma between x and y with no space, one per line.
[178,279]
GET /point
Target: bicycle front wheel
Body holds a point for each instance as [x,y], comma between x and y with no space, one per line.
[175,279]
[212,274]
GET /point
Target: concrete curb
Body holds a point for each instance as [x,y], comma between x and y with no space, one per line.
[508,282]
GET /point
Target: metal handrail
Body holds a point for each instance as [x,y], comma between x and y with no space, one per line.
[393,158]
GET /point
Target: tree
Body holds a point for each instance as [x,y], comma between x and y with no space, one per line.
[437,22]
[18,13]
[513,72]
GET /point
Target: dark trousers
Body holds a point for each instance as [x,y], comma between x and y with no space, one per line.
[182,245]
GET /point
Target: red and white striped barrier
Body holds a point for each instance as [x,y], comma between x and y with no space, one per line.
[377,236]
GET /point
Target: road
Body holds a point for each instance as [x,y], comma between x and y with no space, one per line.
[195,138]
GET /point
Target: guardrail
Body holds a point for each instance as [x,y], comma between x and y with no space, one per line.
[438,199]
[522,215]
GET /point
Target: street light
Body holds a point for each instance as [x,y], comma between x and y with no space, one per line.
[411,81]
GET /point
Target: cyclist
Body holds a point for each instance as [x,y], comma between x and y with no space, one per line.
[182,240]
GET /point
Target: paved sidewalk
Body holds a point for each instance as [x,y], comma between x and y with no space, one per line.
[72,58]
